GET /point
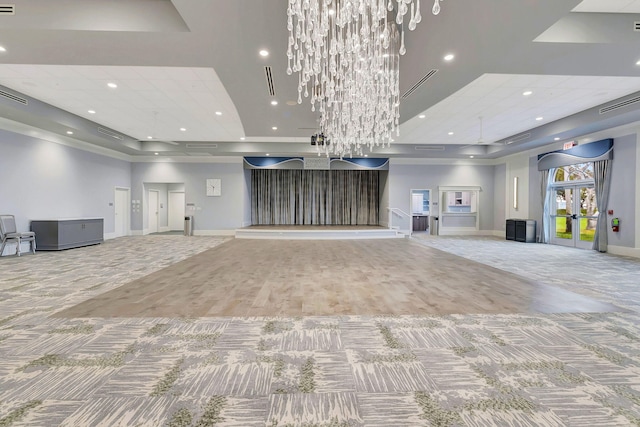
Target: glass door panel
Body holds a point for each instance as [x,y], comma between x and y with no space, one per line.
[574,216]
[587,216]
[561,217]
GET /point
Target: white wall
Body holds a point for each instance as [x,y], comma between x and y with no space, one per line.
[212,215]
[41,179]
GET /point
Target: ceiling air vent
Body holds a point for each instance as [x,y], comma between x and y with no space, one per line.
[420,83]
[636,26]
[429,147]
[203,145]
[199,154]
[517,138]
[13,97]
[7,9]
[270,87]
[111,133]
[620,104]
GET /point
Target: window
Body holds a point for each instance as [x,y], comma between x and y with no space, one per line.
[460,201]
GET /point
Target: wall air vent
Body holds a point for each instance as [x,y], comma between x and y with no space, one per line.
[7,9]
[517,138]
[419,83]
[636,26]
[13,97]
[111,133]
[621,104]
[202,145]
[270,87]
[429,147]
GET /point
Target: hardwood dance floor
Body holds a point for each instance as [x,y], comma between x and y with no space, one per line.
[338,277]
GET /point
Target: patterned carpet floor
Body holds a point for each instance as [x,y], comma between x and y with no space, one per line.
[562,369]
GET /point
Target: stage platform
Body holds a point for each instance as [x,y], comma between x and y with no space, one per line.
[316,232]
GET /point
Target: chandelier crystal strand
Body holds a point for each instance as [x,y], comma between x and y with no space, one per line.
[346,54]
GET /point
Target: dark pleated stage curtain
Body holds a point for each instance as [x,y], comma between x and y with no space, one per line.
[299,197]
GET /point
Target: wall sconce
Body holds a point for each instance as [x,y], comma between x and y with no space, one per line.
[515,192]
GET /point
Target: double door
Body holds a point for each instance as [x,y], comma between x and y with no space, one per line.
[573,215]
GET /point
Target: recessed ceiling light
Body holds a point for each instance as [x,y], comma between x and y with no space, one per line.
[242,138]
[527,92]
[69,132]
[91,111]
[112,85]
[149,137]
[264,52]
[539,118]
[183,129]
[275,128]
[268,154]
[274,102]
[155,154]
[331,11]
[450,133]
[556,139]
[2,49]
[421,116]
[637,63]
[471,157]
[366,155]
[218,113]
[392,140]
[449,57]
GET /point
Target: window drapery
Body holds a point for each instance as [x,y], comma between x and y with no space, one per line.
[602,178]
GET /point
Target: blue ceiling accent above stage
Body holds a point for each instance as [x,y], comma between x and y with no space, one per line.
[598,150]
[298,163]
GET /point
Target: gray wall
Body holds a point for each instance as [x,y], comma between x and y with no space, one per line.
[403,178]
[210,213]
[41,179]
[622,198]
[499,197]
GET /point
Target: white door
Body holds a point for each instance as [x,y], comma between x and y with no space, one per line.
[153,211]
[121,211]
[176,210]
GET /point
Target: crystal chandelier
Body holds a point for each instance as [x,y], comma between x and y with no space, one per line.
[346,54]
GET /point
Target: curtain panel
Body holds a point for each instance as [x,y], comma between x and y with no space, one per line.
[602,178]
[314,197]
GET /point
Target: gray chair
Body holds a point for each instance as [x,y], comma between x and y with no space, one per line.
[10,234]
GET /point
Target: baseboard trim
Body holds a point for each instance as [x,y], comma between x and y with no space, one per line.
[137,232]
[624,251]
[109,236]
[214,232]
[469,232]
[164,229]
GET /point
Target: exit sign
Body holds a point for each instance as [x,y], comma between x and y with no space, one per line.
[569,145]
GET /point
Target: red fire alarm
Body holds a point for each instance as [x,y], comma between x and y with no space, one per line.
[610,211]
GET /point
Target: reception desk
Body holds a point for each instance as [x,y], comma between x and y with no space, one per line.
[59,234]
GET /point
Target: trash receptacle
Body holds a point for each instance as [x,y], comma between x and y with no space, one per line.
[434,225]
[188,226]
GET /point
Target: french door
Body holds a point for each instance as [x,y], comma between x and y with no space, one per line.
[573,215]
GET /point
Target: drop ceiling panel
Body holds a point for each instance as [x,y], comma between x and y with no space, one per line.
[505,111]
[609,6]
[183,97]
